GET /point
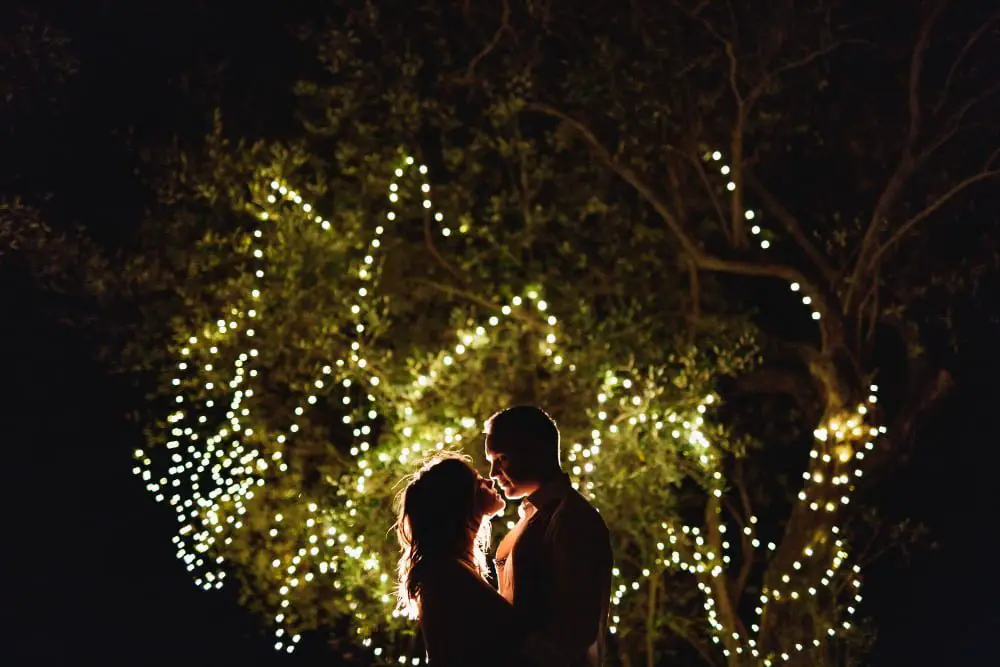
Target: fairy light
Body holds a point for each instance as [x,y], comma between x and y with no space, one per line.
[839,447]
[325,547]
[211,479]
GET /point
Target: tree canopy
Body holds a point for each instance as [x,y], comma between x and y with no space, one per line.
[686,229]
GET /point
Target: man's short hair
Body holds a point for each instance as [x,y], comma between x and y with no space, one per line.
[524,424]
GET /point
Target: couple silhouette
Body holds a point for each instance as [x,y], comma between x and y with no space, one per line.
[553,569]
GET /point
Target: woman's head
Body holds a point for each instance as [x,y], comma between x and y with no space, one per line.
[443,512]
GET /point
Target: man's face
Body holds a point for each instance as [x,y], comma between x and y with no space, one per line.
[508,471]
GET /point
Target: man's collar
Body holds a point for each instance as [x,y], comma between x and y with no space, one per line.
[553,490]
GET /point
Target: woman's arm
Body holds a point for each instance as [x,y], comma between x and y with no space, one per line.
[465,619]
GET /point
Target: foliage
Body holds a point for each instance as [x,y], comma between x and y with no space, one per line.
[570,154]
[309,285]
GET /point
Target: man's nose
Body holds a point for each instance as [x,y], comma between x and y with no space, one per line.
[493,470]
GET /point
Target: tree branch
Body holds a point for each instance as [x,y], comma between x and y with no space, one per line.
[954,123]
[737,221]
[478,300]
[625,173]
[702,260]
[724,603]
[726,44]
[916,70]
[906,164]
[806,59]
[504,25]
[905,228]
[758,90]
[830,328]
[695,301]
[703,649]
[699,167]
[432,247]
[946,88]
[737,230]
[748,553]
[794,230]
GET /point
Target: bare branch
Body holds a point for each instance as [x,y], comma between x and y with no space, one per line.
[794,229]
[807,59]
[703,649]
[432,247]
[730,52]
[873,310]
[700,6]
[747,545]
[954,123]
[504,25]
[945,89]
[737,221]
[916,70]
[734,512]
[703,260]
[906,164]
[733,84]
[905,228]
[723,601]
[478,300]
[626,173]
[737,233]
[758,90]
[700,169]
[695,300]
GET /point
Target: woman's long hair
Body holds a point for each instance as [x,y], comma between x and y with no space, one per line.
[436,520]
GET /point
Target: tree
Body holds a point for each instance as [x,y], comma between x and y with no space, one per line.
[296,342]
[37,64]
[559,143]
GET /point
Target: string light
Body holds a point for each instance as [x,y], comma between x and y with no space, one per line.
[210,480]
[213,498]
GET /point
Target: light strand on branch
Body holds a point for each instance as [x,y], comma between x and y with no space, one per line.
[210,484]
[323,543]
[834,468]
[755,229]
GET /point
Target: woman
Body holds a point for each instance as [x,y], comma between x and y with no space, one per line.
[443,527]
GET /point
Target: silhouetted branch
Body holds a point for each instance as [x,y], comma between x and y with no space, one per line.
[747,545]
[907,226]
[794,230]
[703,260]
[432,247]
[907,163]
[954,123]
[975,37]
[504,25]
[478,300]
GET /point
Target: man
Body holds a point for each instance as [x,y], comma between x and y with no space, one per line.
[555,565]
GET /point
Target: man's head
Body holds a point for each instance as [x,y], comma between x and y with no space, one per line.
[522,447]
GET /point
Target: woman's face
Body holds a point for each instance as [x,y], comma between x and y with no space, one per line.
[488,502]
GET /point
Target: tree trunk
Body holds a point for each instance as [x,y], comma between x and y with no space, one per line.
[654,581]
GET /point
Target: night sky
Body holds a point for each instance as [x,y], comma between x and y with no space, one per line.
[89,575]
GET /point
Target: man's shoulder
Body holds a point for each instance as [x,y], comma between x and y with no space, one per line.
[582,513]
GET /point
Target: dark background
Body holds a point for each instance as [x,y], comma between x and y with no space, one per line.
[89,571]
